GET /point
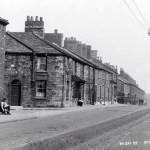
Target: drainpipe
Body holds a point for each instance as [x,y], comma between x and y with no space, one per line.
[104,86]
[94,96]
[64,79]
[33,67]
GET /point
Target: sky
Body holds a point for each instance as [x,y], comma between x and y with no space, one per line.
[107,25]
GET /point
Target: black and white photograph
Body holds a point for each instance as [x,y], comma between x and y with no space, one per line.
[74,74]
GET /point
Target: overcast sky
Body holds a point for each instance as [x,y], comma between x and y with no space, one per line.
[107,25]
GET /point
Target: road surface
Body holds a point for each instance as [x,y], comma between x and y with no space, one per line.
[137,138]
[72,130]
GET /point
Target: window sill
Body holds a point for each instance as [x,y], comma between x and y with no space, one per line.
[40,98]
[41,71]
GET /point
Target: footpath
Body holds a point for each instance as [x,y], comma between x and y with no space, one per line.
[19,113]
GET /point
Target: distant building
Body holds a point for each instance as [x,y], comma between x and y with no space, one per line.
[128,91]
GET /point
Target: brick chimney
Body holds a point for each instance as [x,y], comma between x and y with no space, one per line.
[3,24]
[35,25]
[89,52]
[84,51]
[71,44]
[55,37]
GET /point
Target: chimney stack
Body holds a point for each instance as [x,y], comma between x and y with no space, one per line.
[36,26]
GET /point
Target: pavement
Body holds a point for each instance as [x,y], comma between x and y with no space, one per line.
[20,113]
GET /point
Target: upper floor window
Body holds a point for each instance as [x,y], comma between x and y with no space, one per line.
[41,63]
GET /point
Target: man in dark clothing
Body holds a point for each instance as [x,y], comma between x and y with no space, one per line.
[4,107]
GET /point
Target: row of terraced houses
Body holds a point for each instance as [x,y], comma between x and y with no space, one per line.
[39,69]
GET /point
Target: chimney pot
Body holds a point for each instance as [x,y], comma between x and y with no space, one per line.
[55,31]
[36,18]
[32,19]
[41,18]
[28,18]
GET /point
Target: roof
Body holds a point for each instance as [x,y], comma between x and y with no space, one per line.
[128,82]
[28,38]
[12,45]
[124,80]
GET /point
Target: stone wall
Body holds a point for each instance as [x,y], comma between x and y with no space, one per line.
[2,54]
[18,67]
[55,82]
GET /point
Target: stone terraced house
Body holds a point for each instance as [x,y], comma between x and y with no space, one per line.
[37,71]
[128,90]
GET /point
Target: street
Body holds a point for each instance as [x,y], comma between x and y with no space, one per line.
[72,129]
[137,138]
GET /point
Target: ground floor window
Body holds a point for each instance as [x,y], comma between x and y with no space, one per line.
[41,89]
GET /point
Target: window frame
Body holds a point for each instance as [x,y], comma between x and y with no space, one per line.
[43,90]
[39,63]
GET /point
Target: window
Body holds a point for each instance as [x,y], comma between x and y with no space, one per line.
[41,89]
[41,63]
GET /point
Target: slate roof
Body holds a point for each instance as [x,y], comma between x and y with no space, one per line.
[35,43]
[128,82]
[124,80]
[11,45]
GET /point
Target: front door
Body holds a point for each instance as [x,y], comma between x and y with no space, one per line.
[15,93]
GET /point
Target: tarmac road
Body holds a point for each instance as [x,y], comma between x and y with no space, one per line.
[28,133]
[137,138]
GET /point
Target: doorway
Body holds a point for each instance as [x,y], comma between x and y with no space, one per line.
[15,93]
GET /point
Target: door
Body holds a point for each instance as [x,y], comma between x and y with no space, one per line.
[15,93]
